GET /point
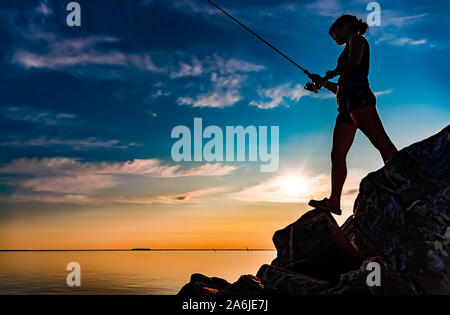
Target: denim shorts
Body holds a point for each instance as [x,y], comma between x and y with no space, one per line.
[353,94]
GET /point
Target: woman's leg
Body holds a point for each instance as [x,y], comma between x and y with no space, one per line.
[367,119]
[343,135]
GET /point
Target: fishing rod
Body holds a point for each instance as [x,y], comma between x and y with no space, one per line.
[313,87]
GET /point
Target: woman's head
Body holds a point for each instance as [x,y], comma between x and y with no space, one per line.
[345,26]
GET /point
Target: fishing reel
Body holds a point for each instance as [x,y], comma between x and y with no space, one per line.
[310,86]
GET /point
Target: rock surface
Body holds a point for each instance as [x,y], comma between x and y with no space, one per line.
[280,281]
[315,246]
[246,285]
[355,282]
[203,285]
[401,225]
[403,211]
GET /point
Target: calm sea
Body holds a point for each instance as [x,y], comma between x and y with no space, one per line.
[121,272]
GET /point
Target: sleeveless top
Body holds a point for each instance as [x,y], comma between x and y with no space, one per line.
[361,72]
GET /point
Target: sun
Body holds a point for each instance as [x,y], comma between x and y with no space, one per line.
[293,186]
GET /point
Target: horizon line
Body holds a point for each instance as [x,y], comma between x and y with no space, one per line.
[136,249]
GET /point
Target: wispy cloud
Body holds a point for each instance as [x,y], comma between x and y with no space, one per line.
[276,96]
[32,115]
[77,144]
[59,179]
[194,196]
[53,60]
[44,9]
[385,92]
[225,93]
[392,18]
[399,41]
[294,187]
[325,7]
[211,64]
[149,167]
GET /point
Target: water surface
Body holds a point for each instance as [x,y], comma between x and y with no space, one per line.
[121,272]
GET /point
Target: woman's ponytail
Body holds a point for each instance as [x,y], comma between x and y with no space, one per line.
[362,27]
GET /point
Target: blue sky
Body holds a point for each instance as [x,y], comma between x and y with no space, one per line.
[87,112]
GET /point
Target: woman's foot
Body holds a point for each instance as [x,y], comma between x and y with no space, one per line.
[326,205]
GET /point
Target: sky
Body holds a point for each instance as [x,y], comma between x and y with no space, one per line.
[86,115]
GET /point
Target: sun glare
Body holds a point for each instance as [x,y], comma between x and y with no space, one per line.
[293,186]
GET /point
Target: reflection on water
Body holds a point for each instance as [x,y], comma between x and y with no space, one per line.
[127,272]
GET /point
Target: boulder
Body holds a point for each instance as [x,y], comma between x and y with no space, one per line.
[280,281]
[315,246]
[403,211]
[246,285]
[355,282]
[357,239]
[203,285]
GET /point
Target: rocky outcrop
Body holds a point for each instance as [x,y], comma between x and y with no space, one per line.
[246,285]
[399,235]
[356,282]
[315,246]
[203,285]
[281,281]
[403,211]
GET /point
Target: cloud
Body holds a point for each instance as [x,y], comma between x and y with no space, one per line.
[60,179]
[29,114]
[159,93]
[277,96]
[191,196]
[394,29]
[225,93]
[325,7]
[50,198]
[194,6]
[63,54]
[44,9]
[72,166]
[399,41]
[194,196]
[185,69]
[385,92]
[390,18]
[226,77]
[56,61]
[210,64]
[298,187]
[77,144]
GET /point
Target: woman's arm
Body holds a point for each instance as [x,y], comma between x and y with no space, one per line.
[331,86]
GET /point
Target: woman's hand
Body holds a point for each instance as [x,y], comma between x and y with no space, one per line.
[315,78]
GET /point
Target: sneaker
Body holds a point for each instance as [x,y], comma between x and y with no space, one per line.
[324,204]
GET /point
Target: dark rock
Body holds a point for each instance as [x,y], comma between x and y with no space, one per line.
[357,239]
[280,281]
[315,246]
[403,210]
[355,282]
[246,285]
[203,285]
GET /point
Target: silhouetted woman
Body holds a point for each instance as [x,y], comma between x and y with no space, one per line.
[356,105]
